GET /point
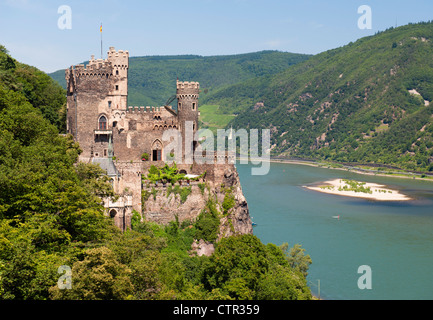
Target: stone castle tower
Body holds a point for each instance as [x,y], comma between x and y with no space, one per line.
[93,92]
[187,94]
[117,136]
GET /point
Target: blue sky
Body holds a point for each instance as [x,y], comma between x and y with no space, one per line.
[29,29]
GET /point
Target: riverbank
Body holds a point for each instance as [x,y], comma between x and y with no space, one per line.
[368,232]
[351,188]
[369,172]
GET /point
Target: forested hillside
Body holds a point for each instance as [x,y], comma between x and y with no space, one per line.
[152,79]
[51,216]
[366,102]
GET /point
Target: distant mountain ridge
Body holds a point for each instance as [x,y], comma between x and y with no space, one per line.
[366,102]
[152,79]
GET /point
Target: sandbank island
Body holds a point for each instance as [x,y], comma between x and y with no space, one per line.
[351,188]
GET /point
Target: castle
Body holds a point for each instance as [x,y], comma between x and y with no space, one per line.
[116,136]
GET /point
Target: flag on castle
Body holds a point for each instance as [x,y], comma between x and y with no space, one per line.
[100,31]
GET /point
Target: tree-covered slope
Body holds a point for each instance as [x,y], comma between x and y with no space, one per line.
[365,102]
[32,85]
[52,223]
[151,79]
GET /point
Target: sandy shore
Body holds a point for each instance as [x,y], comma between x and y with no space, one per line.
[372,191]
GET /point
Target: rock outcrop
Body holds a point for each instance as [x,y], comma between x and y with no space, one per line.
[202,248]
[238,220]
[163,204]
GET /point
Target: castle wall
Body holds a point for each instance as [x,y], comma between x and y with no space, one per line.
[88,111]
[130,183]
[99,91]
[140,132]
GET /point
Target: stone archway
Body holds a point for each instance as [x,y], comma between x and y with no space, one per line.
[118,217]
[157,150]
[113,213]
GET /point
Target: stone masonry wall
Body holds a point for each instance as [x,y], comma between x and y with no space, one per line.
[100,89]
[162,208]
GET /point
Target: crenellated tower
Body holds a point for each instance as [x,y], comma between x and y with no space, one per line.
[126,141]
[187,94]
[120,64]
[93,92]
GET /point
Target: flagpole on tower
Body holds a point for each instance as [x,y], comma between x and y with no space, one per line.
[100,31]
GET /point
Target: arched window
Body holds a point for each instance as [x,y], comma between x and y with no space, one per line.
[113,213]
[102,123]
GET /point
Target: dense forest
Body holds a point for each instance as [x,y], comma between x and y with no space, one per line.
[51,215]
[367,102]
[152,79]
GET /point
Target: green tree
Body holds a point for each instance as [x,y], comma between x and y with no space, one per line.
[236,265]
[282,283]
[208,222]
[35,87]
[244,268]
[26,273]
[297,258]
[99,276]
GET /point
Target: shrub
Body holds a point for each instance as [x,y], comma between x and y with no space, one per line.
[229,201]
[202,187]
[207,223]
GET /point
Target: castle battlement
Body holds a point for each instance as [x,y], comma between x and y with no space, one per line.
[113,53]
[113,70]
[187,85]
[116,59]
[95,67]
[102,123]
[143,109]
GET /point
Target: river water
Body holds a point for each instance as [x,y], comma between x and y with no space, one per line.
[395,239]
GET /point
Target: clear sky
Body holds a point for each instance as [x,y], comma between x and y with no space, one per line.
[29,29]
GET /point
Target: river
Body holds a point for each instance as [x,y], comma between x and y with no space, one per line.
[395,239]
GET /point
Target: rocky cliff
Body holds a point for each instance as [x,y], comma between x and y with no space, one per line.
[239,214]
[187,202]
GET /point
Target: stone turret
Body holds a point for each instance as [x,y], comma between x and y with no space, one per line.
[95,92]
[117,137]
[120,63]
[187,94]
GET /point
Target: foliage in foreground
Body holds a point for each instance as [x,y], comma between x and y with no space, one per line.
[154,262]
[51,215]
